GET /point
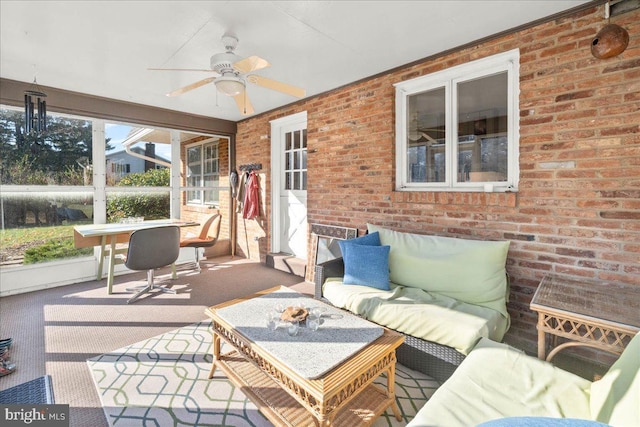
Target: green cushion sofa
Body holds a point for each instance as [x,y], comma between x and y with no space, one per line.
[444,294]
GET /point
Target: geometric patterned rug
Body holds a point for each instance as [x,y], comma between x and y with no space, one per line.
[162,381]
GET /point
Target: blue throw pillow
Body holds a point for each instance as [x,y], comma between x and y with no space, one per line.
[366,265]
[371,239]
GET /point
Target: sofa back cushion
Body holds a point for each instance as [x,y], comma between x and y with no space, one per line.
[615,398]
[471,271]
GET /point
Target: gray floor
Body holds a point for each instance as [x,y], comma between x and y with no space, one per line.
[56,330]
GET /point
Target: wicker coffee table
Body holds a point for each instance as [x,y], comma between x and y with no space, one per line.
[291,390]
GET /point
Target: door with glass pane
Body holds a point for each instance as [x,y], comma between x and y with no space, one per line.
[293,191]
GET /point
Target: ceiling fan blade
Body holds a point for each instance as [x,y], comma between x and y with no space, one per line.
[276,85]
[251,63]
[182,69]
[244,105]
[191,86]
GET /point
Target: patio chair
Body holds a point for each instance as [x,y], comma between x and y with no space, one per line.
[207,237]
[152,248]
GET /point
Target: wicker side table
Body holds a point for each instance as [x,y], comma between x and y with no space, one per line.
[587,313]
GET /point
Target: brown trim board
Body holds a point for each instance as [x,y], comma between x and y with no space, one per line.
[75,103]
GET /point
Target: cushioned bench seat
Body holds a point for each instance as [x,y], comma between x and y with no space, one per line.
[425,315]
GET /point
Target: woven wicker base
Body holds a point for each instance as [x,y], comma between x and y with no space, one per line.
[344,396]
[283,410]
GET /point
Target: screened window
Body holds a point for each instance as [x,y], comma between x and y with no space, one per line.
[46,180]
[203,173]
[457,130]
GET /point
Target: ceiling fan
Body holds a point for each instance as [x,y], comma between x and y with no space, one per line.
[233,75]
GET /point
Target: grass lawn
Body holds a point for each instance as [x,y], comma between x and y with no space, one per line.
[16,237]
[43,243]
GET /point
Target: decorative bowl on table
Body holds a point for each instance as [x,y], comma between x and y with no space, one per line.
[294,313]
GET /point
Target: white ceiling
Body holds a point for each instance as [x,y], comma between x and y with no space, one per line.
[105,48]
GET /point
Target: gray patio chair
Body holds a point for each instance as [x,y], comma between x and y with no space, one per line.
[152,248]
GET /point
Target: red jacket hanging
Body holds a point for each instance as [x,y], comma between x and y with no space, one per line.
[251,206]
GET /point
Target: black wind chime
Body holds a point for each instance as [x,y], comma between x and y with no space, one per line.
[35,113]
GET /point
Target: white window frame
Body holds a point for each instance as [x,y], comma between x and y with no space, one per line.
[203,188]
[449,79]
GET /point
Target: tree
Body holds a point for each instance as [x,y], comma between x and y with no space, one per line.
[58,156]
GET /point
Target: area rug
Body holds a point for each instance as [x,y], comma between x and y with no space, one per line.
[163,381]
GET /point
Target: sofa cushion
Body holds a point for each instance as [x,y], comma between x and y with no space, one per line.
[424,315]
[471,271]
[615,398]
[498,381]
[366,265]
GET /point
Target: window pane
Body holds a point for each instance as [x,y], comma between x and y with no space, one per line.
[193,155]
[287,180]
[288,161]
[143,203]
[60,156]
[295,160]
[296,181]
[296,139]
[425,136]
[211,181]
[38,227]
[211,196]
[287,138]
[482,129]
[135,156]
[304,180]
[203,168]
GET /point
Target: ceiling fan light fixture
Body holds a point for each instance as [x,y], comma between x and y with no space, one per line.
[230,86]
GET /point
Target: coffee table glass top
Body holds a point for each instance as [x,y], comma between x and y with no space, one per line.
[310,353]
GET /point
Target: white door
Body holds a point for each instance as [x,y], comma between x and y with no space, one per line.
[289,166]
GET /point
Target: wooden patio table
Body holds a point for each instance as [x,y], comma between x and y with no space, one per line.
[345,395]
[587,313]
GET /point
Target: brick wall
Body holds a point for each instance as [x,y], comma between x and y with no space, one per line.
[577,212]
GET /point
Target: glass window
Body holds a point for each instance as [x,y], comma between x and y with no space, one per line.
[136,202]
[457,130]
[295,160]
[203,172]
[46,180]
[134,154]
[59,156]
[137,157]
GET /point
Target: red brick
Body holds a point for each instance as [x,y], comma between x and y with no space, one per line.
[574,109]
